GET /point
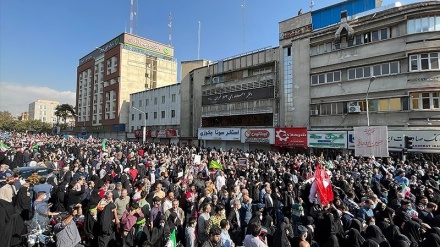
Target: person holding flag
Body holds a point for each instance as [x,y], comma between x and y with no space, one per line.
[321,191]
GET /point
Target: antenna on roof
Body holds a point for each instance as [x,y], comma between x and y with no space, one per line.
[243,10]
[198,46]
[133,16]
[312,4]
[170,29]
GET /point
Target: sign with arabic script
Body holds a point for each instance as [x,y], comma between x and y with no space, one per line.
[227,134]
[243,95]
[371,141]
[424,140]
[291,137]
[263,135]
[327,139]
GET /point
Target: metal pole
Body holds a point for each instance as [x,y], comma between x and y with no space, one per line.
[144,129]
[366,100]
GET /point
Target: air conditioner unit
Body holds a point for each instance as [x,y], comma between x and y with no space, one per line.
[314,112]
[354,109]
[353,103]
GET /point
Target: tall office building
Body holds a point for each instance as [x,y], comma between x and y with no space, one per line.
[110,73]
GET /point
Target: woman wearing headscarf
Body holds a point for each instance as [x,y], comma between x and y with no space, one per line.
[91,226]
[13,232]
[59,198]
[95,198]
[280,235]
[268,225]
[432,238]
[23,203]
[106,227]
[6,206]
[257,217]
[353,239]
[356,224]
[374,233]
[160,234]
[411,230]
[392,233]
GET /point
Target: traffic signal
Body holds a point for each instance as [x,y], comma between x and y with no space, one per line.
[409,142]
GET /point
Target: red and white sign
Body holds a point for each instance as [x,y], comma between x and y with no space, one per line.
[257,136]
[138,133]
[291,137]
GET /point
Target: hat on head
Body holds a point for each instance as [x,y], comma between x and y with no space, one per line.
[301,229]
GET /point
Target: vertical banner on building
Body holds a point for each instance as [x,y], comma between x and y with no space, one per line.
[371,141]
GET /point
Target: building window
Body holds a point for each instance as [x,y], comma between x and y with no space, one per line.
[155,115]
[425,101]
[173,113]
[162,114]
[140,116]
[140,103]
[147,102]
[163,99]
[325,109]
[393,104]
[424,61]
[132,103]
[155,101]
[423,24]
[329,77]
[132,117]
[173,97]
[375,70]
[338,108]
[132,128]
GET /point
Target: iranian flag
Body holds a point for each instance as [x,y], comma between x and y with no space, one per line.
[3,147]
[405,190]
[323,186]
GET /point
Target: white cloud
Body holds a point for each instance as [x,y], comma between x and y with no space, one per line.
[16,98]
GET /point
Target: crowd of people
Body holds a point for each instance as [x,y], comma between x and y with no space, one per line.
[122,193]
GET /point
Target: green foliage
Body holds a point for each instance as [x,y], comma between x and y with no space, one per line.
[7,122]
[64,111]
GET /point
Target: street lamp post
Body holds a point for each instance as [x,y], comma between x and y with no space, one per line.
[144,128]
[366,100]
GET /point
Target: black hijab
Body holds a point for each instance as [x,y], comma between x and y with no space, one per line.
[106,218]
[370,243]
[411,230]
[22,200]
[14,229]
[373,232]
[431,240]
[354,238]
[356,224]
[280,236]
[392,233]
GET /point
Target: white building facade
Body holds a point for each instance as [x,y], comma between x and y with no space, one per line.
[160,109]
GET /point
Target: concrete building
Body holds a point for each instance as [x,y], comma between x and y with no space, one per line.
[231,94]
[24,116]
[43,110]
[337,60]
[160,109]
[110,73]
[193,77]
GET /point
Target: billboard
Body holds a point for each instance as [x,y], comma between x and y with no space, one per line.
[263,135]
[291,137]
[327,139]
[371,141]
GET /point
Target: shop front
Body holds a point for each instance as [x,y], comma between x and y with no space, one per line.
[165,136]
[292,140]
[261,138]
[115,131]
[328,143]
[224,138]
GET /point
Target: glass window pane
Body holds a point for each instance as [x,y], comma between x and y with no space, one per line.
[418,25]
[414,63]
[437,23]
[435,103]
[425,103]
[376,70]
[383,105]
[359,72]
[384,34]
[328,47]
[385,69]
[425,24]
[395,104]
[424,62]
[330,77]
[337,76]
[394,67]
[314,79]
[431,23]
[321,78]
[351,74]
[415,104]
[375,36]
[366,71]
[358,39]
[411,26]
[434,61]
